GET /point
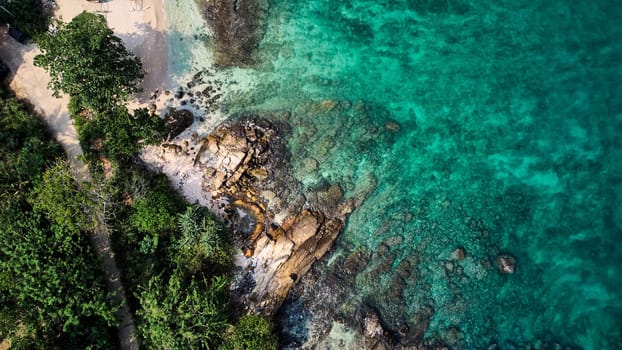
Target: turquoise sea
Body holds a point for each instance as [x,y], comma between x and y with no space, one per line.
[494,126]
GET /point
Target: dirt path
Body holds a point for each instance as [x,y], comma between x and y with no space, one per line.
[30,82]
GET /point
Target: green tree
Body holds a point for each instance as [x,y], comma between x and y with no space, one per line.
[51,284]
[155,213]
[26,147]
[250,333]
[62,199]
[183,315]
[85,59]
[121,132]
[202,239]
[52,295]
[29,16]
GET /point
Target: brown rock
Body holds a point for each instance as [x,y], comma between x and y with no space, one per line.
[306,226]
[258,173]
[231,141]
[275,232]
[211,144]
[256,213]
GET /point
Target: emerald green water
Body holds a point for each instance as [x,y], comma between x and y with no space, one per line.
[509,114]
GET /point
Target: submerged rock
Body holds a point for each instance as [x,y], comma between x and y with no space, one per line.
[506,264]
[236,26]
[458,254]
[392,126]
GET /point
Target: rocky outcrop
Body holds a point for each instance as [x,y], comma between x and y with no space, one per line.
[281,230]
[237,27]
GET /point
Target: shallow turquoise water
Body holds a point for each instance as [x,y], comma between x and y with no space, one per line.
[509,114]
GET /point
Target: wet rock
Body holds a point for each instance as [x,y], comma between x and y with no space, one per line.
[406,268]
[259,173]
[449,267]
[328,105]
[328,201]
[382,249]
[506,264]
[458,254]
[354,264]
[177,121]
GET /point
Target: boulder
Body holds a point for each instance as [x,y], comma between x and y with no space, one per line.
[306,226]
[506,264]
[177,121]
[373,328]
[258,173]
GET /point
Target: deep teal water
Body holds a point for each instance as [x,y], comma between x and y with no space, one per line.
[510,116]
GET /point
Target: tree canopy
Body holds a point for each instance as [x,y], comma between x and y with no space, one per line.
[52,293]
[85,58]
[28,16]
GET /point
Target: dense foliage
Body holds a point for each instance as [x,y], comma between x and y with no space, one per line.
[118,134]
[251,332]
[84,58]
[28,16]
[176,259]
[52,294]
